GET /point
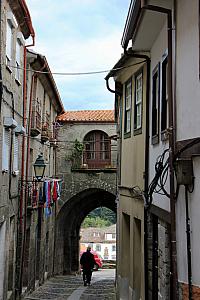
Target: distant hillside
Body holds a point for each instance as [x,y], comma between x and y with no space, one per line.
[100,217]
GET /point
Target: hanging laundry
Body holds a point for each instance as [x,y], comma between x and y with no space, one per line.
[55,195]
[47,193]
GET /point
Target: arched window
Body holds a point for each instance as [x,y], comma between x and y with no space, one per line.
[97,149]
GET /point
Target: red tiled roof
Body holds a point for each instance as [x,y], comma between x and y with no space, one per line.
[87,116]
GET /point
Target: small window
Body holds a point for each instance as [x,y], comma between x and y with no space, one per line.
[97,149]
[18,61]
[96,234]
[9,44]
[113,236]
[164,107]
[16,154]
[98,247]
[155,105]
[5,152]
[128,100]
[138,102]
[113,248]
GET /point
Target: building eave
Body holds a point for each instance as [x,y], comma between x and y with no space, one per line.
[39,63]
[131,21]
[22,15]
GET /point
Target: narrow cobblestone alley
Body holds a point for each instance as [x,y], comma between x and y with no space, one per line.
[71,288]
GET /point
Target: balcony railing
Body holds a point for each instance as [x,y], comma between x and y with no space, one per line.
[94,160]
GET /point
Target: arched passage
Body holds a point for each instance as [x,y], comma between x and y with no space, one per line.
[69,222]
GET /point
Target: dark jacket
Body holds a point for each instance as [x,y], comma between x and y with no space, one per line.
[87,260]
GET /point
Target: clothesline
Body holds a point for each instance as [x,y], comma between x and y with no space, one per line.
[45,194]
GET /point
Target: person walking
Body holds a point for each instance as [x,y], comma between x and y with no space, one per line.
[87,262]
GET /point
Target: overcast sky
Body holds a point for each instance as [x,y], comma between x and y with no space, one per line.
[80,36]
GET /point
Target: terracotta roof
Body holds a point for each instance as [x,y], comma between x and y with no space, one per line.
[87,116]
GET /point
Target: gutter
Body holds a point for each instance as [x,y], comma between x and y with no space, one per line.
[22,201]
[168,12]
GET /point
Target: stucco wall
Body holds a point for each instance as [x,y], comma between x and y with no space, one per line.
[188,124]
[133,147]
[158,51]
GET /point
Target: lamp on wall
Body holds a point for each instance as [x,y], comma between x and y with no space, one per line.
[39,167]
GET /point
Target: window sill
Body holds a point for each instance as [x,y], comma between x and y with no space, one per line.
[137,131]
[155,139]
[97,170]
[127,135]
[17,82]
[9,69]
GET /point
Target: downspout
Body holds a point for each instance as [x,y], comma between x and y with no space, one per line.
[117,93]
[27,165]
[24,125]
[1,81]
[168,12]
[20,242]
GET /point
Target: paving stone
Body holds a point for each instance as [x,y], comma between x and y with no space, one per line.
[71,287]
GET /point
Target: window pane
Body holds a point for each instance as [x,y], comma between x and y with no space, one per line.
[128,121]
[138,102]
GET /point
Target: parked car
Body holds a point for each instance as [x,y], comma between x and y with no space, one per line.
[97,258]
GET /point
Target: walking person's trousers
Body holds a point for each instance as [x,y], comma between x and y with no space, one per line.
[87,274]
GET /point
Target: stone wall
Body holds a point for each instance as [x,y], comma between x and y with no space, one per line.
[158,257]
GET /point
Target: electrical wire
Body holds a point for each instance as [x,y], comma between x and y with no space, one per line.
[159,180]
[77,73]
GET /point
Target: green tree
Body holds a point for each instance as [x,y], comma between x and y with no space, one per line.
[95,222]
[100,217]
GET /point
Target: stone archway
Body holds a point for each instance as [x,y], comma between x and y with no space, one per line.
[69,221]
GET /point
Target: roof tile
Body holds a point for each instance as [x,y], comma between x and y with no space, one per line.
[87,116]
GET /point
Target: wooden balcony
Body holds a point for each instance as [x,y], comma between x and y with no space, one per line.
[91,160]
[45,133]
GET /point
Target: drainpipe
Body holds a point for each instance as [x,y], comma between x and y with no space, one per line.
[1,81]
[168,12]
[118,93]
[189,256]
[27,165]
[20,240]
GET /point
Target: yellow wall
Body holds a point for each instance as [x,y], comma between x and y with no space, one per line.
[130,263]
[133,148]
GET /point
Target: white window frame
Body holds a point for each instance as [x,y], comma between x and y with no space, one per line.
[6,149]
[18,61]
[138,100]
[128,100]
[9,43]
